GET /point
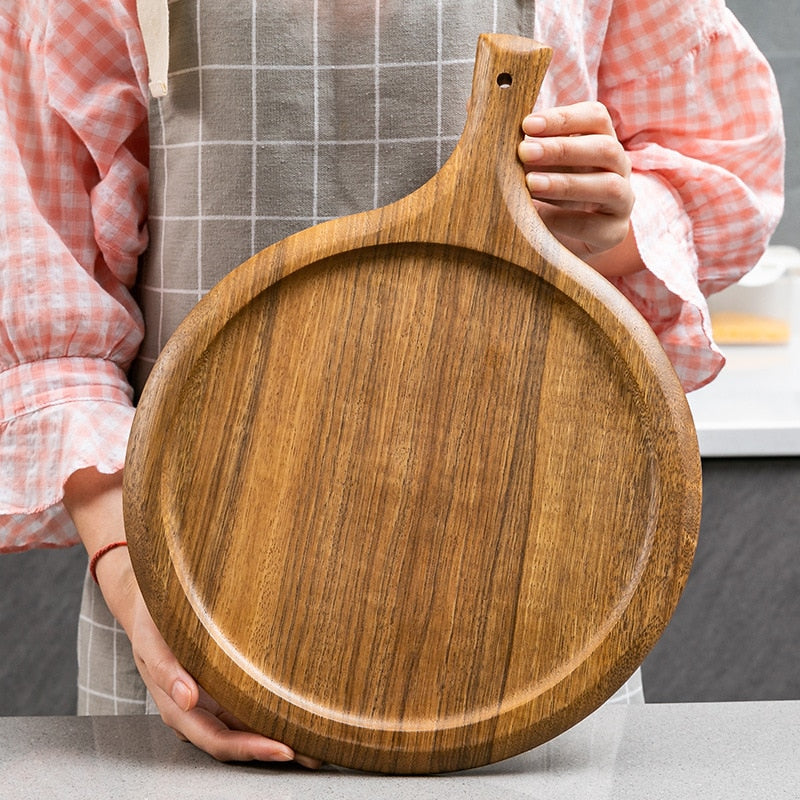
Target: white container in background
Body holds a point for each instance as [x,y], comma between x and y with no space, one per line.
[768,290]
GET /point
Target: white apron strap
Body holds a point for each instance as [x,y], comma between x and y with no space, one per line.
[154,23]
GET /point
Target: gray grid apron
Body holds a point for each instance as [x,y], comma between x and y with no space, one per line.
[280,115]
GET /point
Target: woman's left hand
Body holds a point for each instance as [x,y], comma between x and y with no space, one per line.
[578,175]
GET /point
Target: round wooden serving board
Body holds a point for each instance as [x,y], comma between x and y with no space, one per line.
[416,490]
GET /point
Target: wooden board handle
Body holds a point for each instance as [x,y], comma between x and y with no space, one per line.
[508,74]
[479,199]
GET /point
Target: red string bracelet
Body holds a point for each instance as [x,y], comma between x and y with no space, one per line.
[99,554]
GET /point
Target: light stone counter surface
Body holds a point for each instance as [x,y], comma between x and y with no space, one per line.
[730,751]
[753,407]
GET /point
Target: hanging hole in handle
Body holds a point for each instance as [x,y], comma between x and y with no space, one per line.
[504,80]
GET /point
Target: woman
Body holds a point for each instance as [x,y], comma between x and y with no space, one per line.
[655,153]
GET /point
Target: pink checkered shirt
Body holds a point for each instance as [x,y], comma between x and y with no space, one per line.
[693,101]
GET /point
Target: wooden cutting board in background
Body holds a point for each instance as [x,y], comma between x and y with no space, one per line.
[416,490]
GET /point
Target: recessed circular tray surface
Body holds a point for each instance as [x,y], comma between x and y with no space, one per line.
[415,490]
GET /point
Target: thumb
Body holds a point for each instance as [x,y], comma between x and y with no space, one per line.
[160,669]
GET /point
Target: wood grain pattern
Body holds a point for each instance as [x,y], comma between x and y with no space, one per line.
[416,490]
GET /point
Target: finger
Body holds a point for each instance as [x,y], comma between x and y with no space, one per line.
[593,151]
[596,192]
[208,704]
[211,734]
[577,118]
[308,762]
[161,671]
[192,714]
[584,234]
[177,697]
[218,733]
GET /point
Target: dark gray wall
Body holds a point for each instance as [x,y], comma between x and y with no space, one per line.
[39,605]
[736,632]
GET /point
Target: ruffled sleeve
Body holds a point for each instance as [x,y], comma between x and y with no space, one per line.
[73,192]
[696,106]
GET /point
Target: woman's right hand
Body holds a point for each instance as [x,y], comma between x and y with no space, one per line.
[94,501]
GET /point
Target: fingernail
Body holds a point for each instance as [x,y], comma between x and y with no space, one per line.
[181,695]
[308,762]
[284,754]
[534,124]
[537,182]
[530,151]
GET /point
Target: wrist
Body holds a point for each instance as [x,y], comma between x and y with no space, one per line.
[95,559]
[117,583]
[94,501]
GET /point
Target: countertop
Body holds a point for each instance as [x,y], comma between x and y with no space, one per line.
[730,751]
[753,407]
